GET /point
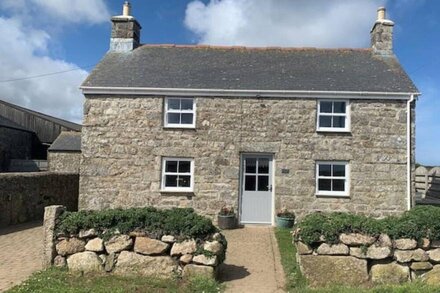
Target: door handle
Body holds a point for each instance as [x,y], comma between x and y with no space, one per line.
[270,188]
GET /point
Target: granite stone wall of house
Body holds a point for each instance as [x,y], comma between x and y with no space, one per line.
[124,141]
[23,196]
[64,162]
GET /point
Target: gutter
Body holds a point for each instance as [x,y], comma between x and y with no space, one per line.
[409,148]
[127,91]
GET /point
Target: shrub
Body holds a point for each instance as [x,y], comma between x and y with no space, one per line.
[420,222]
[181,223]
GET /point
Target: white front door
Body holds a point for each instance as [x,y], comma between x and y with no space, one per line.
[256,189]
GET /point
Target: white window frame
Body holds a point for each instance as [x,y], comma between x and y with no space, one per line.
[179,125]
[191,173]
[347,116]
[345,193]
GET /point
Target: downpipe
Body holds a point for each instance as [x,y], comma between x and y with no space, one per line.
[409,147]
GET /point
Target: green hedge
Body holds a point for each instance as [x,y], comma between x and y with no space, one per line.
[182,223]
[418,223]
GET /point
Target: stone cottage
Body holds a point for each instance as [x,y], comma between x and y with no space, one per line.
[258,129]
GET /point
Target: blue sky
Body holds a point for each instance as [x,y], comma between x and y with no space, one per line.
[47,36]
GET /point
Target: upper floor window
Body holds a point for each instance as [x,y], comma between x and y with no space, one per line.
[333,116]
[180,113]
[332,178]
[177,174]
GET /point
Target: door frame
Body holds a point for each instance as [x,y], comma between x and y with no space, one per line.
[241,181]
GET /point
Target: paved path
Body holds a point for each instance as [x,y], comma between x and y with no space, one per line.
[252,262]
[20,253]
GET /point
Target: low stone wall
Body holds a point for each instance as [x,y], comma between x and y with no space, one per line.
[132,254]
[361,260]
[23,196]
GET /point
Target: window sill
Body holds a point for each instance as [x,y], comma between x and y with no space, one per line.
[177,191]
[180,127]
[346,131]
[330,195]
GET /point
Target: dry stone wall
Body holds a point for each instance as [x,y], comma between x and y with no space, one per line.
[361,260]
[132,254]
[124,142]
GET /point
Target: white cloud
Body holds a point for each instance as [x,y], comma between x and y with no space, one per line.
[26,53]
[318,23]
[75,11]
[23,55]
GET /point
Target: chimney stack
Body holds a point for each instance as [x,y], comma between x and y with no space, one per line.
[125,31]
[382,34]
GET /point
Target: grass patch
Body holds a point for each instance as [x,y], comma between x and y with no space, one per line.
[296,282]
[60,280]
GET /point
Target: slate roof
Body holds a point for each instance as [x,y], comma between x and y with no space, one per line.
[69,141]
[241,68]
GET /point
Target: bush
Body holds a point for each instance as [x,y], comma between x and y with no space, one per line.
[420,222]
[181,223]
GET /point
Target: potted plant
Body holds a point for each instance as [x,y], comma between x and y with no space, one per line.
[285,219]
[226,218]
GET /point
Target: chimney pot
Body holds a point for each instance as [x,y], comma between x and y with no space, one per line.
[381,13]
[126,11]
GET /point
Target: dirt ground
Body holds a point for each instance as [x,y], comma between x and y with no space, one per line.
[252,262]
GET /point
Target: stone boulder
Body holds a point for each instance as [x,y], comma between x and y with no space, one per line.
[321,271]
[425,244]
[70,246]
[434,255]
[356,239]
[132,264]
[90,233]
[168,239]
[433,276]
[109,262]
[59,261]
[303,248]
[405,244]
[336,249]
[421,266]
[372,252]
[118,243]
[205,260]
[186,258]
[214,247]
[391,273]
[384,241]
[193,270]
[185,247]
[404,256]
[435,244]
[85,262]
[148,246]
[96,245]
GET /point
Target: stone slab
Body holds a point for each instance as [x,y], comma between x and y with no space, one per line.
[330,270]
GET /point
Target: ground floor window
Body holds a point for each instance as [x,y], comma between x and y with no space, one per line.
[178,174]
[332,178]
